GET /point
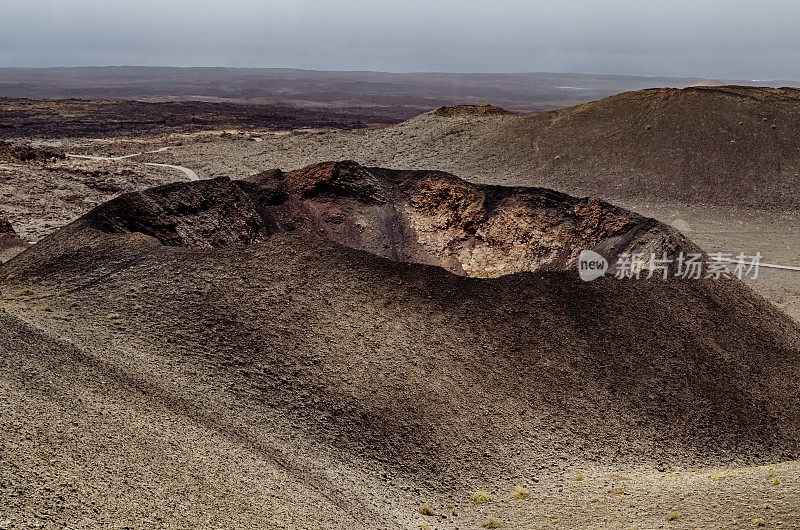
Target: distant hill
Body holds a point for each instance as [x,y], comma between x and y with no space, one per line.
[711,82]
[729,145]
[720,145]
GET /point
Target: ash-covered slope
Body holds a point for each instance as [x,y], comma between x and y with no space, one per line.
[708,145]
[729,145]
[235,306]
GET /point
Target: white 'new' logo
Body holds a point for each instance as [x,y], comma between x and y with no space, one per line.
[591,265]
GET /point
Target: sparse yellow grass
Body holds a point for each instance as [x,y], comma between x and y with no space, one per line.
[758,522]
[767,506]
[579,476]
[776,482]
[521,492]
[426,510]
[480,497]
[491,522]
[673,516]
[771,473]
[26,292]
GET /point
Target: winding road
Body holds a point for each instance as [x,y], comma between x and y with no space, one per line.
[188,172]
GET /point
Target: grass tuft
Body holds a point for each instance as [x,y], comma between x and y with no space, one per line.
[479,497]
[426,510]
[491,522]
[521,492]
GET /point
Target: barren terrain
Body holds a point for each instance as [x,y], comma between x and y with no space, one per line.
[393,95]
[382,385]
[346,345]
[731,187]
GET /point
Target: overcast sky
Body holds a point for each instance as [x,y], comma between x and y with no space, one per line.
[733,39]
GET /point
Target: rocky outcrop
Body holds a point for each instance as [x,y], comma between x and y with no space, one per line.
[205,214]
[10,242]
[24,153]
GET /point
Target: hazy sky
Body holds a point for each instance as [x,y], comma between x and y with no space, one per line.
[741,39]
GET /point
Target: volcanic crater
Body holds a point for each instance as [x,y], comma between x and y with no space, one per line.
[426,217]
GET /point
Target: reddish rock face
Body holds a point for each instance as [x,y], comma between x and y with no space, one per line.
[10,243]
[435,218]
[5,228]
[426,217]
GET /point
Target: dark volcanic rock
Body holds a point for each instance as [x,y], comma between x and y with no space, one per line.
[10,242]
[24,153]
[472,110]
[206,214]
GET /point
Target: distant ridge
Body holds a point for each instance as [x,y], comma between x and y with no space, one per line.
[402,95]
[711,82]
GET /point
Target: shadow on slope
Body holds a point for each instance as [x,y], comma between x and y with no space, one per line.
[445,380]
